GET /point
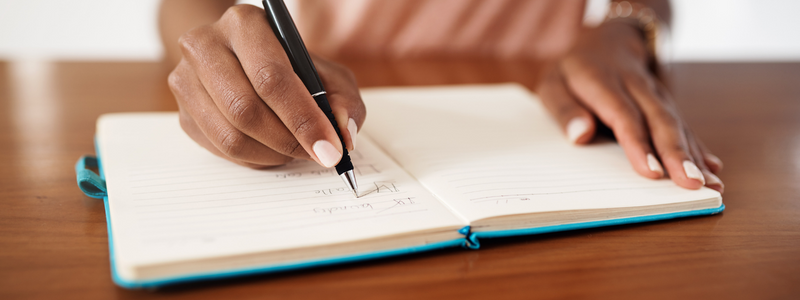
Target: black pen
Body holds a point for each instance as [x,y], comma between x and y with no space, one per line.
[286,32]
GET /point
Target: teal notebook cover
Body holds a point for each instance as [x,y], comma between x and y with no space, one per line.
[93,185]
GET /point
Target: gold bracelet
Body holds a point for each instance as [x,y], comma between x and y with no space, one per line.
[640,16]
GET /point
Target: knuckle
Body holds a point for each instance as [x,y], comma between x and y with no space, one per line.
[270,79]
[627,114]
[673,149]
[175,82]
[242,109]
[667,118]
[232,143]
[292,148]
[195,41]
[239,13]
[179,85]
[662,118]
[303,123]
[628,120]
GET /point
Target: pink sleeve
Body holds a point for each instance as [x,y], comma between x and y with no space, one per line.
[498,29]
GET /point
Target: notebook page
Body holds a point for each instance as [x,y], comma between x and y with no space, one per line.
[492,150]
[171,200]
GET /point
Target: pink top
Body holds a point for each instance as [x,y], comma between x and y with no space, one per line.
[395,29]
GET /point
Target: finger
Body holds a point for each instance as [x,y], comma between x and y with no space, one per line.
[344,97]
[270,73]
[711,180]
[712,161]
[191,128]
[577,122]
[666,130]
[214,132]
[225,82]
[606,97]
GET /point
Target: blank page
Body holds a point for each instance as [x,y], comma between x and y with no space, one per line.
[492,150]
[171,200]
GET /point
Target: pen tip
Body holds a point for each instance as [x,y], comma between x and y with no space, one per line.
[350,179]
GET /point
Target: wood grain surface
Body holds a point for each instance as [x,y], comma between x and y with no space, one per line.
[53,240]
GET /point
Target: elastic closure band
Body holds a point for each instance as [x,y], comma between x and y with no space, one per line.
[90,183]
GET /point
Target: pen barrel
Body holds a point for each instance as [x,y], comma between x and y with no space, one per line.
[285,30]
[345,164]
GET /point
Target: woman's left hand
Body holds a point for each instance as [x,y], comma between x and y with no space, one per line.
[605,77]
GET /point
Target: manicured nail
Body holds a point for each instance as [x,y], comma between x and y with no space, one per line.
[654,165]
[576,128]
[326,153]
[713,180]
[353,128]
[693,172]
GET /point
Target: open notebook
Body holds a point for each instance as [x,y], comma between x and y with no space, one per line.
[437,167]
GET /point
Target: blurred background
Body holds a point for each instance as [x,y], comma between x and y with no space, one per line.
[704,30]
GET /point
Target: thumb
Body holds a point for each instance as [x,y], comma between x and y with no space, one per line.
[344,98]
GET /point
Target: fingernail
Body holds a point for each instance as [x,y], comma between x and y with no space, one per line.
[713,180]
[714,160]
[654,165]
[576,128]
[353,128]
[326,153]
[693,172]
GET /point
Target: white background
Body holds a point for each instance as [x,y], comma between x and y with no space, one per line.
[704,30]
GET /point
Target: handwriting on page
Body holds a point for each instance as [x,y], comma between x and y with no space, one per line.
[199,206]
[378,187]
[393,203]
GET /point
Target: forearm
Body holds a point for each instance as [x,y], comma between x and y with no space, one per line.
[178,16]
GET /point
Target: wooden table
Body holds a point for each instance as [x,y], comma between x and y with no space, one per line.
[53,241]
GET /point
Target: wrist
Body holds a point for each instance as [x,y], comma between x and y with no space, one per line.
[644,20]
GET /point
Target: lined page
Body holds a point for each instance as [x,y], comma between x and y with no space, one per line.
[170,199]
[490,151]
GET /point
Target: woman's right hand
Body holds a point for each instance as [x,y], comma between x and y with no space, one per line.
[239,97]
